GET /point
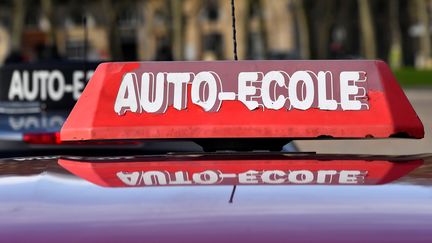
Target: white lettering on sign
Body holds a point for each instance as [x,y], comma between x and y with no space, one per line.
[275,90]
[205,89]
[247,92]
[348,83]
[179,81]
[301,100]
[215,177]
[268,92]
[45,85]
[127,98]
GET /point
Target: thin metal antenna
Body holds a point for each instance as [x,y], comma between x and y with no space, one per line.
[232,194]
[235,58]
[234,29]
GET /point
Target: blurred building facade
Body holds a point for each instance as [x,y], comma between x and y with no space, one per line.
[398,31]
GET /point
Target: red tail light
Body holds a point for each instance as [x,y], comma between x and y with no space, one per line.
[42,138]
[53,138]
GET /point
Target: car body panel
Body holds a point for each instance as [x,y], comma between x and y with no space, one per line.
[42,201]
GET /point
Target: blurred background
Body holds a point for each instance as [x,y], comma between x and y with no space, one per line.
[77,35]
[398,31]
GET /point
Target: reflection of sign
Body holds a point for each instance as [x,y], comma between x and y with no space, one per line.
[214,177]
[32,122]
[57,85]
[274,90]
[130,173]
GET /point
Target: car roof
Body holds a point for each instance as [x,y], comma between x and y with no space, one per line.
[52,197]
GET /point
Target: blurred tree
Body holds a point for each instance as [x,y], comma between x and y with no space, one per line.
[303,30]
[407,18]
[177,29]
[324,18]
[395,54]
[262,28]
[19,10]
[345,36]
[242,21]
[424,55]
[109,8]
[48,16]
[192,33]
[367,29]
[280,25]
[254,27]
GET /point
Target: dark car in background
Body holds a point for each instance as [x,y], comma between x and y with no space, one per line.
[35,99]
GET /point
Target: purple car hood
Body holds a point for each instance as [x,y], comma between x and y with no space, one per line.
[112,199]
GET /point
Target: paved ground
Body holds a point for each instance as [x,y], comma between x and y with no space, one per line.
[421,99]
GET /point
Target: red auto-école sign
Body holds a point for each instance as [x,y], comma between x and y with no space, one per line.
[245,99]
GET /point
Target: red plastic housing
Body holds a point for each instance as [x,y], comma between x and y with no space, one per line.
[242,99]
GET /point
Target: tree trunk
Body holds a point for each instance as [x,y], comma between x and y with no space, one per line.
[280,26]
[18,23]
[367,29]
[424,56]
[263,30]
[395,54]
[303,30]
[242,19]
[112,29]
[324,27]
[177,23]
[192,32]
